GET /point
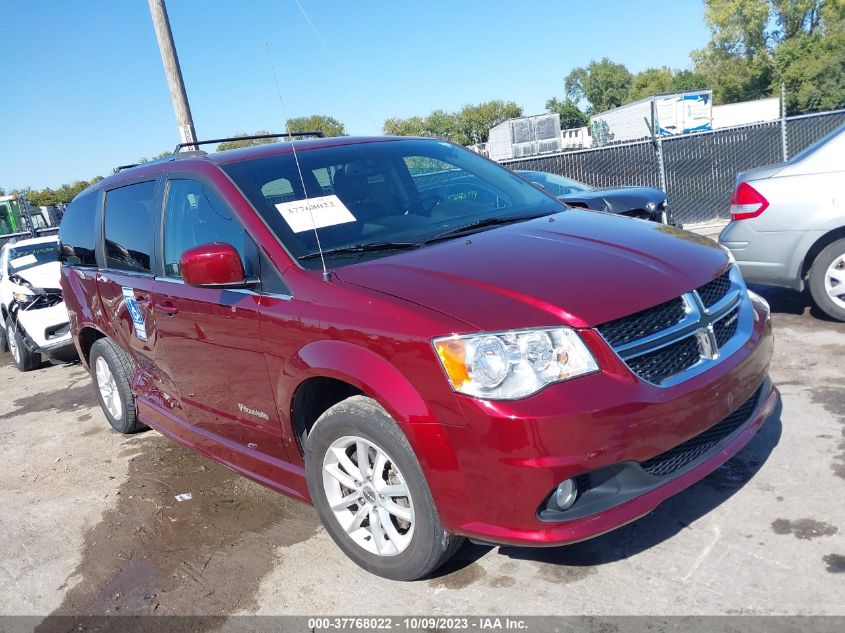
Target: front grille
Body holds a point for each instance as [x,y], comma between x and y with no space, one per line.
[714,291]
[725,328]
[644,323]
[686,453]
[657,366]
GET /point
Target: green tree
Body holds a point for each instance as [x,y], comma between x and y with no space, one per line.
[61,195]
[163,154]
[571,115]
[811,62]
[412,126]
[684,80]
[471,124]
[235,144]
[603,85]
[328,125]
[474,121]
[756,44]
[651,81]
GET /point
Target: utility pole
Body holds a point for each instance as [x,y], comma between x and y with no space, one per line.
[174,73]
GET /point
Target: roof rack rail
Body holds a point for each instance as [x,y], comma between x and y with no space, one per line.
[120,168]
[250,137]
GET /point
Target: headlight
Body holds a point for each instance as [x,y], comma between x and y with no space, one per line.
[23,298]
[728,252]
[512,364]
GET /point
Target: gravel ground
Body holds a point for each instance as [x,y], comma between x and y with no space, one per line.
[91,525]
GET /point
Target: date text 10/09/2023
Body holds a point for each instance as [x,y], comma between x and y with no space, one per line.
[480,623]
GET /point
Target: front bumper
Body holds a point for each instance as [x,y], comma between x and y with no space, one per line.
[510,456]
[46,331]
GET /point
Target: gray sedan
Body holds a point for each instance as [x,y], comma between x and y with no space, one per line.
[788,223]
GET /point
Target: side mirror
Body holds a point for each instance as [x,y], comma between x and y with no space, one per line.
[215,265]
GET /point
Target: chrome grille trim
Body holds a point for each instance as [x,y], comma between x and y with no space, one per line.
[698,322]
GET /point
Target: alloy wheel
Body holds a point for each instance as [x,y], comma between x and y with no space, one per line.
[108,388]
[834,281]
[368,496]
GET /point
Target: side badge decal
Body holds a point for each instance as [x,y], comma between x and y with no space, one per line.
[135,313]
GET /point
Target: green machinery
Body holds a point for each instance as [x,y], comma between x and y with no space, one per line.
[17,216]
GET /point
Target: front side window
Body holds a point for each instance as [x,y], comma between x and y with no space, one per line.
[129,227]
[407,191]
[196,215]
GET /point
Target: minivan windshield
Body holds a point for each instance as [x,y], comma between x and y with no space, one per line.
[373,199]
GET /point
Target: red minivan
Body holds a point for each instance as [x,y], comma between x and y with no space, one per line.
[415,340]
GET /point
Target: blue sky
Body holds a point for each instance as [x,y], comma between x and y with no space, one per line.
[84,88]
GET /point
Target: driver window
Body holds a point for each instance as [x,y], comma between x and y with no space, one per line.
[196,215]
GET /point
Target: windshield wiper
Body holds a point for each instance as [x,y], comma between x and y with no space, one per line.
[363,248]
[486,222]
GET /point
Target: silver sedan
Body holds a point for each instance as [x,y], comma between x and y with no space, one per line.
[788,223]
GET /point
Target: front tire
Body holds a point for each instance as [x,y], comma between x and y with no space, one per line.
[112,369]
[380,514]
[827,280]
[4,341]
[24,359]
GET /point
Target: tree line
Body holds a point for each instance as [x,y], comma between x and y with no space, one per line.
[755,46]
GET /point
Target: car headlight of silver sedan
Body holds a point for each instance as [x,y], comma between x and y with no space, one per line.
[513,364]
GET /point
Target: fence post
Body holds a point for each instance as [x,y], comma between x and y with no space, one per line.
[783,122]
[658,146]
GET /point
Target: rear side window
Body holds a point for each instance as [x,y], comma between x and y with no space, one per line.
[77,233]
[129,227]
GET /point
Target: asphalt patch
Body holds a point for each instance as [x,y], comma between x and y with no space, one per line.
[152,554]
[804,529]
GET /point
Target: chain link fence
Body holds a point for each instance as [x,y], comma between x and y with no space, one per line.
[699,169]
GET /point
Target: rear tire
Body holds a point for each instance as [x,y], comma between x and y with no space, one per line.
[827,280]
[112,369]
[381,516]
[24,359]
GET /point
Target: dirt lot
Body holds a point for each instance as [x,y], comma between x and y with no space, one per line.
[90,524]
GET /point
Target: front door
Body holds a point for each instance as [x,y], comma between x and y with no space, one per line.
[209,348]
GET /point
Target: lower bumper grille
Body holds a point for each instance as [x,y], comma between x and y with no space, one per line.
[686,453]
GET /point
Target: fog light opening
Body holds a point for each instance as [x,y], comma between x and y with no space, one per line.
[566,493]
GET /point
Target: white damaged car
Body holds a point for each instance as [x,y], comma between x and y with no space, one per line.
[33,315]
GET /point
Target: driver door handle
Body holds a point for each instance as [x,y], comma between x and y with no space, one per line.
[166,308]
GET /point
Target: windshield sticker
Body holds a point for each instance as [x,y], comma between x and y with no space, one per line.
[135,313]
[325,210]
[25,260]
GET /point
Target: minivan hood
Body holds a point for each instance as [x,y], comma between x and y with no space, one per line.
[42,276]
[577,268]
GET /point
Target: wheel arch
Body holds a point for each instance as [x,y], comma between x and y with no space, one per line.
[88,335]
[818,246]
[331,371]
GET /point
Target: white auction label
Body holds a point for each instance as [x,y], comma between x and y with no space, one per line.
[314,213]
[25,260]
